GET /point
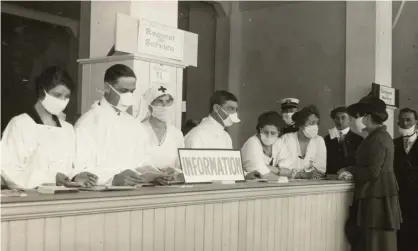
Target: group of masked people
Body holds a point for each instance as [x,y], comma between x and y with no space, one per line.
[112,145]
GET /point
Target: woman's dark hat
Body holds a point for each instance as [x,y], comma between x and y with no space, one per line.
[371,105]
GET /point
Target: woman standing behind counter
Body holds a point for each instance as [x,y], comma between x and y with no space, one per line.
[307,148]
[375,215]
[265,152]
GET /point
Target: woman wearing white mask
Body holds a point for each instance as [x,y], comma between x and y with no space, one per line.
[307,148]
[265,152]
[375,214]
[38,146]
[164,139]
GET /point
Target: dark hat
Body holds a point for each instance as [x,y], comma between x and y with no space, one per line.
[370,105]
[287,103]
[338,109]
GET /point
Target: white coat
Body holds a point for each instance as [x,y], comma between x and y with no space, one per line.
[316,152]
[164,154]
[32,153]
[254,159]
[109,142]
[208,134]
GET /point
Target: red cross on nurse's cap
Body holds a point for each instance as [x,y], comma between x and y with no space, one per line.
[156,91]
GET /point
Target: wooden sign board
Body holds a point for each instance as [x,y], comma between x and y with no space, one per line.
[387,94]
[208,165]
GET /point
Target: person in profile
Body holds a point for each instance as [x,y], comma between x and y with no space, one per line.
[341,142]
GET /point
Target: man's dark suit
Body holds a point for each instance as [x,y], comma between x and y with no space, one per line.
[406,170]
[337,156]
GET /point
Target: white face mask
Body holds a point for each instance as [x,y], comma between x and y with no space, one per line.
[161,113]
[54,105]
[407,132]
[231,119]
[311,131]
[125,99]
[359,124]
[268,141]
[287,118]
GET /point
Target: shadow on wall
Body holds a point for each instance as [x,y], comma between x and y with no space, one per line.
[292,50]
[28,47]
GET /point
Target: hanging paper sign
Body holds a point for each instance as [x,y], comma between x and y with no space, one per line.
[160,73]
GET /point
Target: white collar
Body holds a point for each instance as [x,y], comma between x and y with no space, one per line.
[413,138]
[211,120]
[335,133]
[105,104]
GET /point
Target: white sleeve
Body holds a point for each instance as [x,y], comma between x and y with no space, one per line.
[143,157]
[283,157]
[253,157]
[180,144]
[14,154]
[321,155]
[193,141]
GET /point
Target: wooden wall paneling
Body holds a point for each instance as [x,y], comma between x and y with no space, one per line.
[209,227]
[148,230]
[83,228]
[250,226]
[169,235]
[180,229]
[67,233]
[35,230]
[226,225]
[5,235]
[97,232]
[18,235]
[189,233]
[123,231]
[52,234]
[199,228]
[217,227]
[234,233]
[159,232]
[137,230]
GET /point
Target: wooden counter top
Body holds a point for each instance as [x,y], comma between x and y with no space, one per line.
[41,205]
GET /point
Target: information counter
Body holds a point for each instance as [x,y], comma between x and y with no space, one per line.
[294,216]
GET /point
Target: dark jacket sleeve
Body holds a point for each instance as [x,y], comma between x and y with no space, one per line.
[369,168]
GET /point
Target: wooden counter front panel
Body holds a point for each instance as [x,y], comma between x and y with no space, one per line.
[301,223]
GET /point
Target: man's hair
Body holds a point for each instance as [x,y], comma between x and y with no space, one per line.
[117,71]
[340,109]
[52,77]
[406,109]
[220,98]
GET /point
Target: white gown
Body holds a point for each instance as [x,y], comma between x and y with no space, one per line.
[164,154]
[33,153]
[253,158]
[208,134]
[316,153]
[109,142]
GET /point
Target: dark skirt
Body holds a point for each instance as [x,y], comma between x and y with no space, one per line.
[372,224]
[408,234]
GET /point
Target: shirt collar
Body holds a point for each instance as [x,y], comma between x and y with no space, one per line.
[104,103]
[413,138]
[213,121]
[345,131]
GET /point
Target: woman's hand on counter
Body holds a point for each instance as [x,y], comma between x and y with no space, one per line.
[63,180]
[253,175]
[127,178]
[86,178]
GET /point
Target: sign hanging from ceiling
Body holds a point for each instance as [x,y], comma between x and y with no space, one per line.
[387,94]
[160,40]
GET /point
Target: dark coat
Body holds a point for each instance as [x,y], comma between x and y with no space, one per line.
[376,188]
[337,156]
[288,129]
[406,170]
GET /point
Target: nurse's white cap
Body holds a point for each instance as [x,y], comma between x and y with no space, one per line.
[289,103]
[156,91]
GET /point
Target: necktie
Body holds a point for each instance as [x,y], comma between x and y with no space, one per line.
[407,145]
[342,142]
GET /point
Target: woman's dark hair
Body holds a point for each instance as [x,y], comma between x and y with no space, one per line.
[117,71]
[220,98]
[302,116]
[269,118]
[52,77]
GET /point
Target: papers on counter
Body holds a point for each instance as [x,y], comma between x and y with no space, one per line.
[107,188]
[48,189]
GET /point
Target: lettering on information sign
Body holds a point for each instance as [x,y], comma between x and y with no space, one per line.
[207,165]
[159,40]
[160,73]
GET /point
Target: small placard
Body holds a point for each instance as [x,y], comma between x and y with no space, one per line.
[387,94]
[208,165]
[159,73]
[160,40]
